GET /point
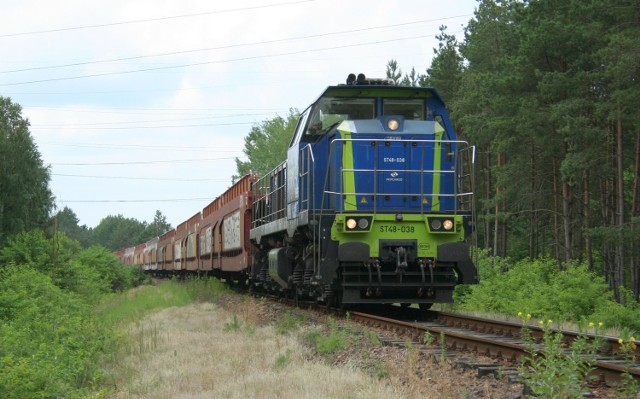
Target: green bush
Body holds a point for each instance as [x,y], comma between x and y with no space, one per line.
[49,339]
[90,273]
[613,314]
[115,275]
[29,248]
[543,289]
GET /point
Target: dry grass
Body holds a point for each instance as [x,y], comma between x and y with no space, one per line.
[202,351]
[234,346]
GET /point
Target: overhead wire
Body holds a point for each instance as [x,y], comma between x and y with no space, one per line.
[255,57]
[306,37]
[137,21]
[140,162]
[96,124]
[145,200]
[179,179]
[143,146]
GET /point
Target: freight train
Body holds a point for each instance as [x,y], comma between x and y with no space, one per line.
[373,205]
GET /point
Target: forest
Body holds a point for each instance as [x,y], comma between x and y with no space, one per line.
[549,93]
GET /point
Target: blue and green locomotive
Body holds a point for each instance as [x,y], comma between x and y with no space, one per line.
[374,203]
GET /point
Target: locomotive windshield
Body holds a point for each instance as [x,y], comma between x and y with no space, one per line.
[330,111]
[410,109]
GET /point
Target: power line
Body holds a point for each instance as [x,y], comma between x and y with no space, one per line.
[217,61]
[140,162]
[141,178]
[233,45]
[145,147]
[153,120]
[137,21]
[144,110]
[148,127]
[149,200]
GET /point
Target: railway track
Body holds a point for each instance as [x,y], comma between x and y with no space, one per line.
[497,339]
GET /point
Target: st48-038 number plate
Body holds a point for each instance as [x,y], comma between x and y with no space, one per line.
[390,228]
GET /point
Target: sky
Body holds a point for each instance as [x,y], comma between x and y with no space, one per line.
[138,106]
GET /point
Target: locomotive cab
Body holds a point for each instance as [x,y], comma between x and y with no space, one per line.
[378,204]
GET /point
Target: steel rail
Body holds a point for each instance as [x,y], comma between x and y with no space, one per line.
[499,339]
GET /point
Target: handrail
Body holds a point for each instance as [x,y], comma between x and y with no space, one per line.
[462,190]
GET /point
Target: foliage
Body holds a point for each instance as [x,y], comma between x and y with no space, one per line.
[113,232]
[236,325]
[327,344]
[540,288]
[555,372]
[25,197]
[49,338]
[118,232]
[90,273]
[290,322]
[115,275]
[156,228]
[266,144]
[66,221]
[629,385]
[30,249]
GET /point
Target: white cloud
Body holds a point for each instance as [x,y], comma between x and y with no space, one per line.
[110,118]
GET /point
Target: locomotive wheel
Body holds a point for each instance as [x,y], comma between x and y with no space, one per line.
[425,306]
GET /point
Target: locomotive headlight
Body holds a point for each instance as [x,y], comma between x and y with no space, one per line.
[436,224]
[363,224]
[447,224]
[351,224]
[393,124]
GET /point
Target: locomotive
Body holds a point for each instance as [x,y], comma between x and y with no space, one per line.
[373,205]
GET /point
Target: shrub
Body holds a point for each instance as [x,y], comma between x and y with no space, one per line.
[29,248]
[114,274]
[552,370]
[49,339]
[540,288]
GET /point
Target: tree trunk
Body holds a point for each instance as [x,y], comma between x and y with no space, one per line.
[635,212]
[566,218]
[620,203]
[534,213]
[608,208]
[556,239]
[496,221]
[487,210]
[587,224]
[503,232]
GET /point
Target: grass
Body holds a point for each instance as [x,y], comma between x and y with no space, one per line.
[203,350]
[134,304]
[199,340]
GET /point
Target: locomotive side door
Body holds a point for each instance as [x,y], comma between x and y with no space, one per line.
[293,168]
